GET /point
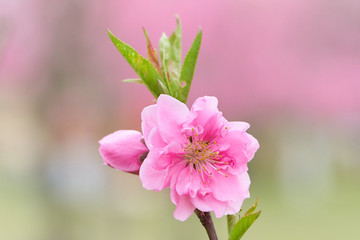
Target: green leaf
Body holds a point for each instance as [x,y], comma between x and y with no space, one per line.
[252,208]
[231,221]
[243,225]
[163,87]
[188,69]
[175,52]
[164,49]
[133,80]
[141,66]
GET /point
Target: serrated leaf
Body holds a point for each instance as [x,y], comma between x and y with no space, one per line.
[175,52]
[164,49]
[188,69]
[231,221]
[252,208]
[151,53]
[243,225]
[141,66]
[133,80]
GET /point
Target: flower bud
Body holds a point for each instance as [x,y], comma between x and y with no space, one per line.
[124,150]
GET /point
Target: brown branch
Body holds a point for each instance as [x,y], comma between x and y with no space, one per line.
[206,221]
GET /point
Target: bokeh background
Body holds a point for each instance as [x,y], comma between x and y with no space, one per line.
[289,68]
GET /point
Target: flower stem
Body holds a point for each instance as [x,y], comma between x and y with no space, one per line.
[206,221]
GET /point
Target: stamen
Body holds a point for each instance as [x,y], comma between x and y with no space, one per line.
[202,156]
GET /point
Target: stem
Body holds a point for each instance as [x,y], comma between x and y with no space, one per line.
[206,221]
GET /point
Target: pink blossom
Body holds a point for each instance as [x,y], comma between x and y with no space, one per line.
[198,154]
[123,150]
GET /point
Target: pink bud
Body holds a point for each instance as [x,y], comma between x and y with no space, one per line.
[124,150]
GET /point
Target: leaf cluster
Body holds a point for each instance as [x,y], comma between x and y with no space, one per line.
[164,75]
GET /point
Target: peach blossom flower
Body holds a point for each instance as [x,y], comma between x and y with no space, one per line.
[198,154]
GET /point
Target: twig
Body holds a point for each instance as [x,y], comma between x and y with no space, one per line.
[206,221]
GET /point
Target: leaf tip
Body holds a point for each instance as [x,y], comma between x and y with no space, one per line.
[177,19]
[111,35]
[109,32]
[146,34]
[163,35]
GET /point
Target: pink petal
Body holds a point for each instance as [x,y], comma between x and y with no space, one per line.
[240,146]
[175,149]
[237,125]
[234,206]
[122,150]
[208,203]
[154,139]
[154,171]
[184,208]
[231,188]
[188,182]
[159,168]
[206,114]
[206,103]
[250,143]
[171,114]
[148,120]
[252,147]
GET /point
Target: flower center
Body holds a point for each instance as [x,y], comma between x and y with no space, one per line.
[200,152]
[203,158]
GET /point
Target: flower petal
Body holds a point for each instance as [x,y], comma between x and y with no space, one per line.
[184,208]
[171,114]
[122,150]
[237,125]
[240,147]
[154,139]
[207,203]
[234,206]
[188,182]
[205,114]
[148,120]
[206,103]
[252,147]
[231,188]
[159,169]
[154,171]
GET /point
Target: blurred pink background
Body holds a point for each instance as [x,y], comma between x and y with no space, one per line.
[290,68]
